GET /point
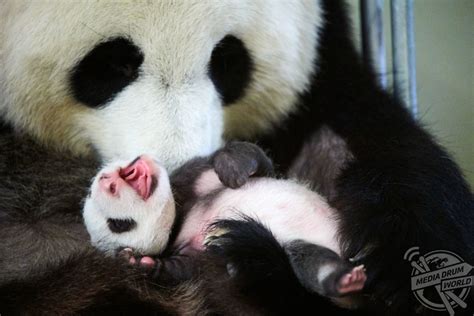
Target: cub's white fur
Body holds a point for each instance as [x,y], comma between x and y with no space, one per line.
[172,110]
[290,210]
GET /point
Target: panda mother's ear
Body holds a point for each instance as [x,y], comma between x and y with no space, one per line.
[230,68]
[105,71]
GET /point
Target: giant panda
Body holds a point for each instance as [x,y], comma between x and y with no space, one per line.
[177,79]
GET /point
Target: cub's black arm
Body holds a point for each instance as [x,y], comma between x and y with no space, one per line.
[234,164]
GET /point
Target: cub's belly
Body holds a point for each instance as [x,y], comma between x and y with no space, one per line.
[288,209]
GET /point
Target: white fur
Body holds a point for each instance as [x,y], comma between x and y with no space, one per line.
[154,217]
[171,126]
[172,111]
[290,210]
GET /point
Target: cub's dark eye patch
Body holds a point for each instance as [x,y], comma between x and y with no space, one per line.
[118,226]
[105,71]
[230,68]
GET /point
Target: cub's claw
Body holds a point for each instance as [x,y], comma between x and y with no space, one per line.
[215,242]
[213,236]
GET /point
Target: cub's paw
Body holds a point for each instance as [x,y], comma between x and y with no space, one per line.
[146,263]
[238,161]
[353,281]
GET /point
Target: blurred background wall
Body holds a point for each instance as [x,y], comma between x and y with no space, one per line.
[444,39]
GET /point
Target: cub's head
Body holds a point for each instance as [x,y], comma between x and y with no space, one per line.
[165,78]
[130,205]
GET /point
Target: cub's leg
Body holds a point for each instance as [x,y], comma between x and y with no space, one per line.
[321,270]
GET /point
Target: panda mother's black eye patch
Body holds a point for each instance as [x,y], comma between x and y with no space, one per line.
[230,68]
[105,71]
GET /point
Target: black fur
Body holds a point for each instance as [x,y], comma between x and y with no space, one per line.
[47,265]
[234,164]
[253,265]
[183,192]
[88,283]
[397,190]
[307,259]
[262,274]
[230,68]
[105,71]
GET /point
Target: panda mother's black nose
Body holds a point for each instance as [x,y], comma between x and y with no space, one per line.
[121,225]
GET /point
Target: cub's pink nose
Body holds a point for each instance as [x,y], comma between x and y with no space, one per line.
[111,182]
[141,175]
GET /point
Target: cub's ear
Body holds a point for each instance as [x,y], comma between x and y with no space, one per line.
[238,161]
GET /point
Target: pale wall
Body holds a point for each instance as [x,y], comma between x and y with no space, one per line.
[444,38]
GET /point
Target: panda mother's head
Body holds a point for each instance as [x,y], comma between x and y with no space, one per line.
[168,78]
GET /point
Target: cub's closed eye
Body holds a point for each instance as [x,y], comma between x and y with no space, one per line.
[121,225]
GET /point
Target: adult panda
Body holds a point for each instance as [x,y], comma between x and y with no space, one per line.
[176,79]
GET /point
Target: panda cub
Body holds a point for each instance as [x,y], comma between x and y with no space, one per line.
[137,206]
